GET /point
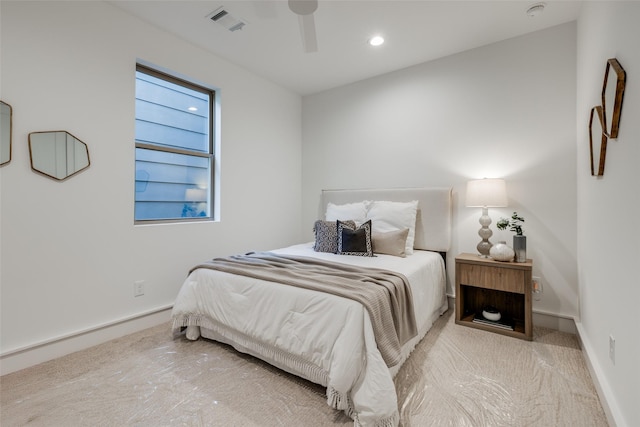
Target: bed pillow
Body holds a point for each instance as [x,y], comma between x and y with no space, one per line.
[326,233]
[393,216]
[353,211]
[354,241]
[390,242]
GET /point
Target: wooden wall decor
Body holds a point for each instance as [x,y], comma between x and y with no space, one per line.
[597,141]
[612,94]
[604,120]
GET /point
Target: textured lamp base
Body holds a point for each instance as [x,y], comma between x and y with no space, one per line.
[485,232]
[483,248]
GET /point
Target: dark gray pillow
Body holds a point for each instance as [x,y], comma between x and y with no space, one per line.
[354,241]
[326,233]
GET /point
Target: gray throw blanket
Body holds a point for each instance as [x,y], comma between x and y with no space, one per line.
[386,295]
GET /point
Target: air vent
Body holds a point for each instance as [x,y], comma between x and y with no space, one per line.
[222,17]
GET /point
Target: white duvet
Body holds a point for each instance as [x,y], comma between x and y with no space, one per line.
[321,337]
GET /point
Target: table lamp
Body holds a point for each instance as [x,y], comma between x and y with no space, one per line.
[486,193]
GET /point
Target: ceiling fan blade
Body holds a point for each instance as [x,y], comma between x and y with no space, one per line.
[303,7]
[308,33]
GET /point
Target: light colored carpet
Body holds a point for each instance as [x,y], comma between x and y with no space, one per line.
[457,376]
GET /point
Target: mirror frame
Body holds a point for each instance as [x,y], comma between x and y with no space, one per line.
[611,129]
[10,133]
[603,141]
[86,147]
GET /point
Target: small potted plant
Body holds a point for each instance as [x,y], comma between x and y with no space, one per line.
[519,240]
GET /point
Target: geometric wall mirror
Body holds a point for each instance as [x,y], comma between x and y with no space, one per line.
[612,94]
[57,154]
[6,117]
[597,141]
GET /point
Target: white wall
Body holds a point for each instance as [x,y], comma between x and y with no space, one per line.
[608,236]
[70,250]
[503,110]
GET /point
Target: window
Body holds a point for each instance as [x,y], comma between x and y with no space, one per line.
[174,148]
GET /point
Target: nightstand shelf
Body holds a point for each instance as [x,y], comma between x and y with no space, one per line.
[482,282]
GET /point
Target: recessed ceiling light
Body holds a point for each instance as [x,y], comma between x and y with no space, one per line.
[192,109]
[376,40]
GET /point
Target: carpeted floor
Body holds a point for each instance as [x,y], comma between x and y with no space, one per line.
[457,376]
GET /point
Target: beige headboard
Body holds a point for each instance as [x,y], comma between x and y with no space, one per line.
[433,223]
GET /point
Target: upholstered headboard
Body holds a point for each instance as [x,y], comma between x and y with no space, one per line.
[433,222]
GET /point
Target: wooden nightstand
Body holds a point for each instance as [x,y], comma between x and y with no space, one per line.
[482,282]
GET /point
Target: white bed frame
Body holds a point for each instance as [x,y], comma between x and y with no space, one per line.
[433,223]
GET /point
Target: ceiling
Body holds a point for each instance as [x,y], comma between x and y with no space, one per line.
[415,31]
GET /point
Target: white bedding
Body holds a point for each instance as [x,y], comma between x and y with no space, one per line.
[321,337]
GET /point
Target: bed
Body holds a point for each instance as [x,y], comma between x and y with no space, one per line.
[322,336]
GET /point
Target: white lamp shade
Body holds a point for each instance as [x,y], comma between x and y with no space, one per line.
[491,193]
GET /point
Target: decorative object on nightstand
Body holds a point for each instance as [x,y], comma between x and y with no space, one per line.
[519,240]
[486,193]
[520,247]
[491,313]
[502,252]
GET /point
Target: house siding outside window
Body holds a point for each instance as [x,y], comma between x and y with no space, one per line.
[174,149]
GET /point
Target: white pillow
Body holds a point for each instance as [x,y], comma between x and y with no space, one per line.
[350,211]
[390,216]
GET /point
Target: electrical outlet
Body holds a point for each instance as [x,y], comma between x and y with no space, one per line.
[612,349]
[138,288]
[536,288]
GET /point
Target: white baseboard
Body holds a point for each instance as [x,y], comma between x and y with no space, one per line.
[559,322]
[24,357]
[451,302]
[611,410]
